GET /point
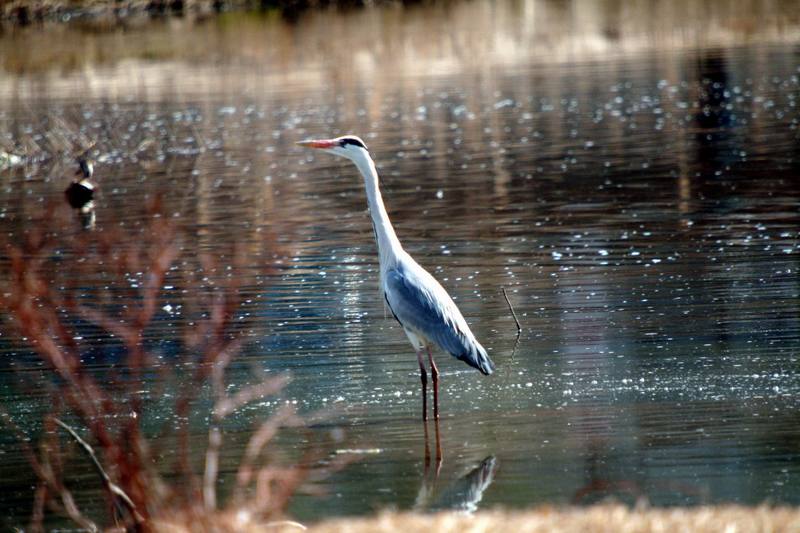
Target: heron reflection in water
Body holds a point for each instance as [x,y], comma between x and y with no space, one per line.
[463,494]
[419,303]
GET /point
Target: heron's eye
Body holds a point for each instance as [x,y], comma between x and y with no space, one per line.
[350,140]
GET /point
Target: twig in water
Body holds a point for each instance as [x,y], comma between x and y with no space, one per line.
[516,321]
[514,349]
[514,314]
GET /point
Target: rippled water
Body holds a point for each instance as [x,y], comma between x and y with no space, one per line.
[637,197]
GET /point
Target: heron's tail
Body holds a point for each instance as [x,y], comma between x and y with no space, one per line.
[477,357]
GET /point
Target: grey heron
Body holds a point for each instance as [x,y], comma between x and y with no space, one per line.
[420,304]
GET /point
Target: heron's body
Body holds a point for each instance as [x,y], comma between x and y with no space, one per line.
[419,303]
[429,316]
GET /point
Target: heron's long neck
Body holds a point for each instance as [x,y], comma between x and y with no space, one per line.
[388,244]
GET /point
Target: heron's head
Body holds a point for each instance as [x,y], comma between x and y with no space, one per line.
[348,146]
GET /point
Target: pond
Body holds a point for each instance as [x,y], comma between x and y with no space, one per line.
[627,173]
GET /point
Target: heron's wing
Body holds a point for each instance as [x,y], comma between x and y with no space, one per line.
[422,305]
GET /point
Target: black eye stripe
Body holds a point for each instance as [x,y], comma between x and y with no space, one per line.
[351,140]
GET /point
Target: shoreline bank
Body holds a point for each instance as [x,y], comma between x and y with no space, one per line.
[23,13]
[601,517]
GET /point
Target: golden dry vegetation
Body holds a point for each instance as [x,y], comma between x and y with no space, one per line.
[549,519]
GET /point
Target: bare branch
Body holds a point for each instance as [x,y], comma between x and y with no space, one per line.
[212,468]
[117,328]
[39,500]
[248,394]
[74,513]
[221,360]
[45,473]
[110,485]
[264,434]
[43,300]
[155,280]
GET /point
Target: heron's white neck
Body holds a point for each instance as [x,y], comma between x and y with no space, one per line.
[389,247]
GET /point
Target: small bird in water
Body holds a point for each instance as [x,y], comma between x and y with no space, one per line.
[418,302]
[80,192]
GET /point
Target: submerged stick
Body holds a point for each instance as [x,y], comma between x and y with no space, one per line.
[516,321]
[513,313]
[110,485]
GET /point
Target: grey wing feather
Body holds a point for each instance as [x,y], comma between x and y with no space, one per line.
[419,303]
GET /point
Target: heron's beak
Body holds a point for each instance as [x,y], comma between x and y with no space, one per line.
[329,143]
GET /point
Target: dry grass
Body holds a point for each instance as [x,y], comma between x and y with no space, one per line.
[616,518]
[546,519]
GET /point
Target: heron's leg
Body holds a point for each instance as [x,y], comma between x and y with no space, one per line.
[438,449]
[427,449]
[423,376]
[435,376]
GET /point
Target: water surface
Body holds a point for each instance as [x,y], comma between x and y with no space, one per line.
[630,180]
